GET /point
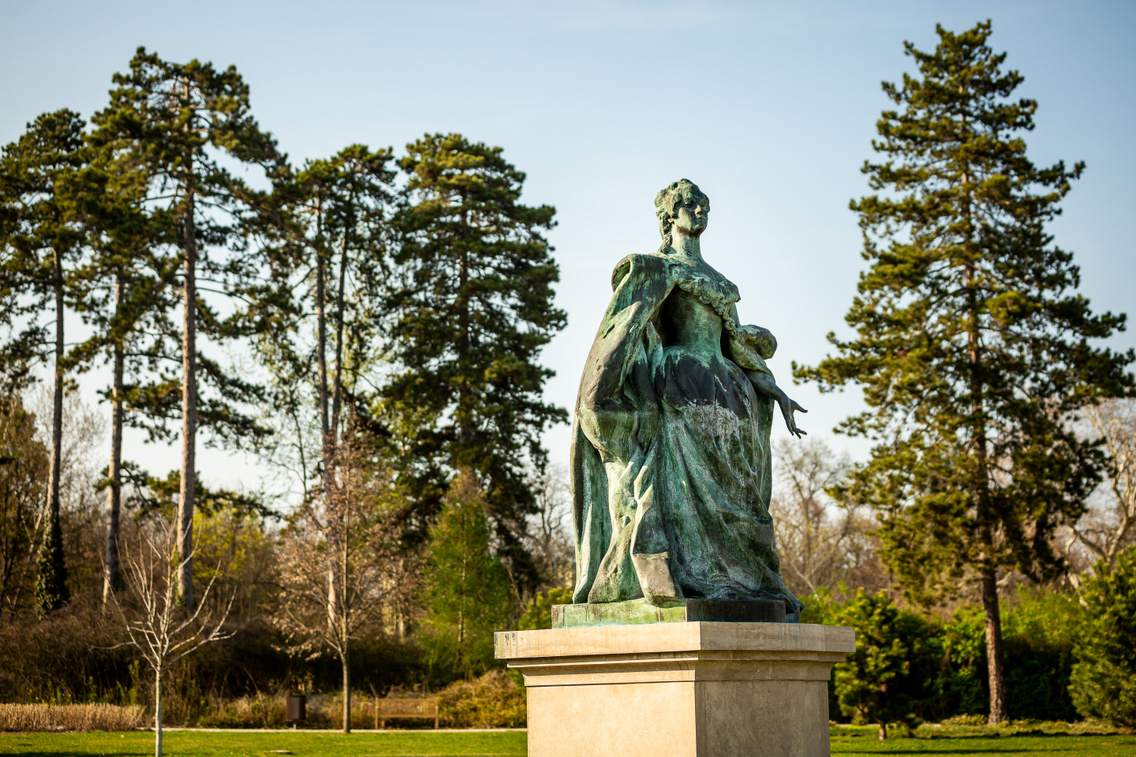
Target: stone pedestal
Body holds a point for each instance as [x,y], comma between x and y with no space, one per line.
[677,689]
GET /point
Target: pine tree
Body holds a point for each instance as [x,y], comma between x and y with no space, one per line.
[125,293]
[467,319]
[972,345]
[41,243]
[330,254]
[185,122]
[349,197]
[335,215]
[467,591]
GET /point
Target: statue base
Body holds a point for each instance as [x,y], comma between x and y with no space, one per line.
[681,689]
[690,611]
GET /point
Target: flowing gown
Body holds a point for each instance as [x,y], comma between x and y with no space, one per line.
[670,455]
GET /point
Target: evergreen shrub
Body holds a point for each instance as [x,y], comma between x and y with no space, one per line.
[1039,628]
[889,676]
[1104,675]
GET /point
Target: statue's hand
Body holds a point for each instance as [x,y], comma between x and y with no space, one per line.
[788,407]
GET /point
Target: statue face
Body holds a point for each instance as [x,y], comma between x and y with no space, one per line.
[691,217]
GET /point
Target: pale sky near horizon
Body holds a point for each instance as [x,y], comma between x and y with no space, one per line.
[769,106]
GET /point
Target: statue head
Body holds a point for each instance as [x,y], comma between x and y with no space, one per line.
[670,199]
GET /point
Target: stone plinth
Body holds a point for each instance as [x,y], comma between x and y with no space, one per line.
[677,689]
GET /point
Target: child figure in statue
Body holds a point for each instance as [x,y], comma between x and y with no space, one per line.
[670,454]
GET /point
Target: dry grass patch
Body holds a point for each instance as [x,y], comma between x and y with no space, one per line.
[70,717]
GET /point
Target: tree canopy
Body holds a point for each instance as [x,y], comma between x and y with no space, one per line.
[971,344]
[467,318]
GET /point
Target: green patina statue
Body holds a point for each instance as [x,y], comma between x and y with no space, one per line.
[670,454]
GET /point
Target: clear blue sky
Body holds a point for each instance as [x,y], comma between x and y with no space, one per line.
[769,107]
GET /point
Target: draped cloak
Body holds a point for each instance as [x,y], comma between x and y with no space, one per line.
[671,471]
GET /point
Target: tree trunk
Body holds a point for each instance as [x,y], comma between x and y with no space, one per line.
[345,617]
[335,591]
[187,495]
[337,386]
[158,713]
[995,663]
[57,396]
[464,413]
[52,581]
[321,344]
[344,658]
[995,669]
[883,733]
[114,472]
[331,440]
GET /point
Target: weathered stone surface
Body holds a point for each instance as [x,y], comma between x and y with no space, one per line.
[677,689]
[692,610]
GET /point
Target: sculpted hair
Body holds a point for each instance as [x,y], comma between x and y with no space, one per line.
[667,202]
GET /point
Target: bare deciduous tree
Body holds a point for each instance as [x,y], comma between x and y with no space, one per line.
[1109,524]
[155,617]
[549,529]
[356,533]
[820,543]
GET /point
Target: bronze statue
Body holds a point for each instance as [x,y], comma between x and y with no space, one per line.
[670,456]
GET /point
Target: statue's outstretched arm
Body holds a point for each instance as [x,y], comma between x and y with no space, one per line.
[764,384]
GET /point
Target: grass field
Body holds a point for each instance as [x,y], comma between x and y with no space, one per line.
[845,741]
[260,744]
[992,742]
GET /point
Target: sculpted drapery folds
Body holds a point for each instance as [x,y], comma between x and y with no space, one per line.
[670,457]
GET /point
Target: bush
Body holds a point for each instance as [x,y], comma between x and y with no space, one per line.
[960,686]
[1104,676]
[71,657]
[820,607]
[379,663]
[362,712]
[259,711]
[1039,628]
[492,701]
[888,676]
[538,615]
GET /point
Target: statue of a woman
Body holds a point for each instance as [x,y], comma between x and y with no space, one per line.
[670,453]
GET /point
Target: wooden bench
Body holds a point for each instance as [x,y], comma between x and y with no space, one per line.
[386,709]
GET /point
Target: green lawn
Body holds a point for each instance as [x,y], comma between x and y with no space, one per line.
[254,744]
[845,741]
[851,740]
